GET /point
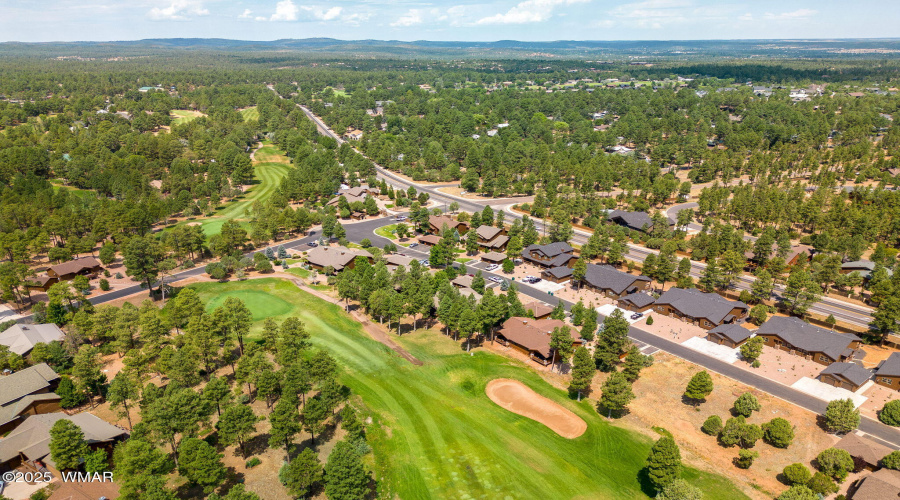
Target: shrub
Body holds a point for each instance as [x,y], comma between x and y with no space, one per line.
[104,284]
[649,320]
[119,276]
[892,460]
[106,273]
[756,363]
[890,413]
[820,483]
[797,474]
[680,489]
[752,349]
[712,426]
[841,415]
[798,492]
[778,432]
[746,404]
[835,463]
[745,458]
[738,432]
[253,462]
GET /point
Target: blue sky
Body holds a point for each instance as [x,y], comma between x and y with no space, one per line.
[482,20]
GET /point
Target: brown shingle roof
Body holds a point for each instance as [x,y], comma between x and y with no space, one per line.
[494,257]
[864,448]
[487,232]
[336,257]
[75,266]
[883,484]
[533,334]
[539,309]
[430,239]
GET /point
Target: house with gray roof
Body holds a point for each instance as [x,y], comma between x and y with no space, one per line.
[637,302]
[863,267]
[21,339]
[812,342]
[557,274]
[850,376]
[27,392]
[729,334]
[492,238]
[638,221]
[613,283]
[336,258]
[559,254]
[30,442]
[888,372]
[707,310]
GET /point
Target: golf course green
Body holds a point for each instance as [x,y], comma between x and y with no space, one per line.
[436,434]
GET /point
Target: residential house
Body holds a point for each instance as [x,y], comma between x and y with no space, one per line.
[492,238]
[559,274]
[353,135]
[532,337]
[883,484]
[337,258]
[85,266]
[850,376]
[538,309]
[462,281]
[354,194]
[394,260]
[551,255]
[729,334]
[863,448]
[21,339]
[637,302]
[29,443]
[707,310]
[638,221]
[430,240]
[42,282]
[798,254]
[812,342]
[863,267]
[27,392]
[888,372]
[611,282]
[493,257]
[436,224]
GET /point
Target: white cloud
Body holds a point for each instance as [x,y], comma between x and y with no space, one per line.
[414,16]
[529,11]
[322,14]
[747,18]
[246,14]
[178,10]
[285,10]
[797,15]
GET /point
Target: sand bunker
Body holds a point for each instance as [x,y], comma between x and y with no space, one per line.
[519,398]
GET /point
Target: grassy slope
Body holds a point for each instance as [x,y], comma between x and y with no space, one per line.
[437,435]
[270,166]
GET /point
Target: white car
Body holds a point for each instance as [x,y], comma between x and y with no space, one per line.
[496,279]
[493,267]
[400,218]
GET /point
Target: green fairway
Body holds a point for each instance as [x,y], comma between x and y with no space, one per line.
[182,116]
[269,167]
[250,113]
[435,432]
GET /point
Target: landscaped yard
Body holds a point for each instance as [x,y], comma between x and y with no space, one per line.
[435,432]
[387,231]
[270,166]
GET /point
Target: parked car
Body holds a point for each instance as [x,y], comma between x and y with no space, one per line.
[493,267]
[312,244]
[637,315]
[425,262]
[400,218]
[517,261]
[496,279]
[413,245]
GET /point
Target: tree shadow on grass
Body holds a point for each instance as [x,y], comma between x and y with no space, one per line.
[646,485]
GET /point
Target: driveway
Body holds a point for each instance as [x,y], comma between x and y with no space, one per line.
[713,350]
[827,392]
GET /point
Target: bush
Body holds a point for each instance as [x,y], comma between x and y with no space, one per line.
[745,458]
[106,273]
[104,284]
[797,474]
[712,426]
[892,460]
[820,483]
[119,276]
[798,492]
[890,413]
[752,349]
[835,463]
[738,432]
[756,363]
[778,432]
[253,462]
[746,404]
[649,320]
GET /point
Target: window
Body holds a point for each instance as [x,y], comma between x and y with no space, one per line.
[888,381]
[822,358]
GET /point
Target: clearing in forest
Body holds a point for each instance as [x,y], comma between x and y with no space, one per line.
[250,113]
[182,116]
[436,434]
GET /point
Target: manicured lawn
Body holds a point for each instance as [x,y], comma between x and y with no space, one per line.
[270,166]
[387,231]
[250,113]
[435,432]
[182,116]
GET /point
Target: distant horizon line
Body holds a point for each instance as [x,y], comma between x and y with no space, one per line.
[804,39]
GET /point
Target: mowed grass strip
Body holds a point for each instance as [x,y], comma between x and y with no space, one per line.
[270,165]
[437,435]
[250,113]
[182,116]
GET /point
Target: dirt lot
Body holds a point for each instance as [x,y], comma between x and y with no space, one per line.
[655,408]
